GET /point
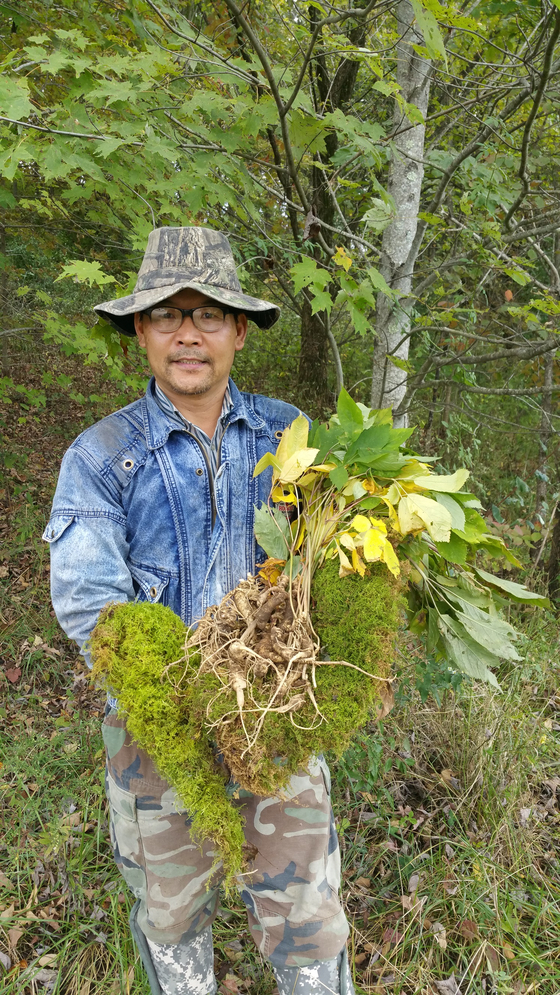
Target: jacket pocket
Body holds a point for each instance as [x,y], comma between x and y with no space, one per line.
[149,584]
[56,527]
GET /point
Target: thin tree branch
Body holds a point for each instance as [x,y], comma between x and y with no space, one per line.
[545,74]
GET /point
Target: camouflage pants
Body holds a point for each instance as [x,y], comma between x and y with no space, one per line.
[291,892]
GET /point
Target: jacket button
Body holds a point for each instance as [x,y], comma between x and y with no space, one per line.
[199,471]
[153,592]
[128,464]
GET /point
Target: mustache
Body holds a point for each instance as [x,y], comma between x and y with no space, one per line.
[174,357]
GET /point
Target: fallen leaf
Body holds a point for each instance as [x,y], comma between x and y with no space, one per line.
[3,571]
[229,984]
[448,986]
[524,814]
[508,952]
[70,747]
[440,935]
[449,851]
[392,936]
[4,881]
[450,886]
[359,959]
[468,930]
[450,780]
[363,882]
[413,882]
[48,960]
[493,958]
[13,674]
[387,696]
[508,294]
[14,935]
[74,818]
[5,961]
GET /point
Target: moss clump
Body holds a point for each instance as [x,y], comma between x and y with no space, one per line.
[132,646]
[176,710]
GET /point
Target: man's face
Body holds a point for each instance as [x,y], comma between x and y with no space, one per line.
[187,361]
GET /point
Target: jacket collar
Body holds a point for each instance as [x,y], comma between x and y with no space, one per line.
[158,424]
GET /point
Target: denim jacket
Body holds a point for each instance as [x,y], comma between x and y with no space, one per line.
[135,517]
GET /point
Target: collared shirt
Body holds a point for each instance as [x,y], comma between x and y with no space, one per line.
[211,447]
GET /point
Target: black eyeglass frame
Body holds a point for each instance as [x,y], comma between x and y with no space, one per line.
[189,312]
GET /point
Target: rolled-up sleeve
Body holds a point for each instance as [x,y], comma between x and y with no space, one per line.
[87,534]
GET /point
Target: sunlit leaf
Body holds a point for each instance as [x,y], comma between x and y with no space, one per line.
[435,517]
[265,461]
[448,483]
[294,438]
[296,464]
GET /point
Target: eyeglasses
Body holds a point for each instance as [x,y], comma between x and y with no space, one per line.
[207,318]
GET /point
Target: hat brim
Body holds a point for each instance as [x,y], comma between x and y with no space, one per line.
[120,313]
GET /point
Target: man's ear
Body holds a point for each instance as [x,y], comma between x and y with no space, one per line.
[241,327]
[139,329]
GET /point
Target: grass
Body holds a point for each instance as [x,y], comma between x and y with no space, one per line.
[448,814]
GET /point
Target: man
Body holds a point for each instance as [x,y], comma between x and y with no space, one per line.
[156,503]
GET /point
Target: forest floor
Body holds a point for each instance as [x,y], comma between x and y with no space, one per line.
[448,814]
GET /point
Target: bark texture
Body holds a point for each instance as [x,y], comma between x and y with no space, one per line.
[399,248]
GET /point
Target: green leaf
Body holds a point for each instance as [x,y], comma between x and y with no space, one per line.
[272,532]
[348,412]
[378,282]
[465,655]
[455,551]
[517,592]
[339,477]
[491,632]
[430,30]
[14,99]
[307,273]
[83,271]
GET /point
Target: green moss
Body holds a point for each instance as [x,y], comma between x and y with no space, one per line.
[356,619]
[131,646]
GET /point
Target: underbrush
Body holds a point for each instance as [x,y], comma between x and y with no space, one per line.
[448,810]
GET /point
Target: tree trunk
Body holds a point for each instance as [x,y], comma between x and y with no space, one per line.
[399,251]
[313,362]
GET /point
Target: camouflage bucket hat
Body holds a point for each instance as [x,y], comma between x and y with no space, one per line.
[186,259]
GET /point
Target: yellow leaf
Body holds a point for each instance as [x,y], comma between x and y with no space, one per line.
[295,465]
[408,519]
[371,486]
[282,496]
[294,437]
[390,558]
[360,523]
[378,523]
[341,258]
[271,569]
[435,517]
[393,517]
[347,541]
[345,565]
[373,545]
[449,483]
[358,563]
[267,460]
[307,479]
[392,496]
